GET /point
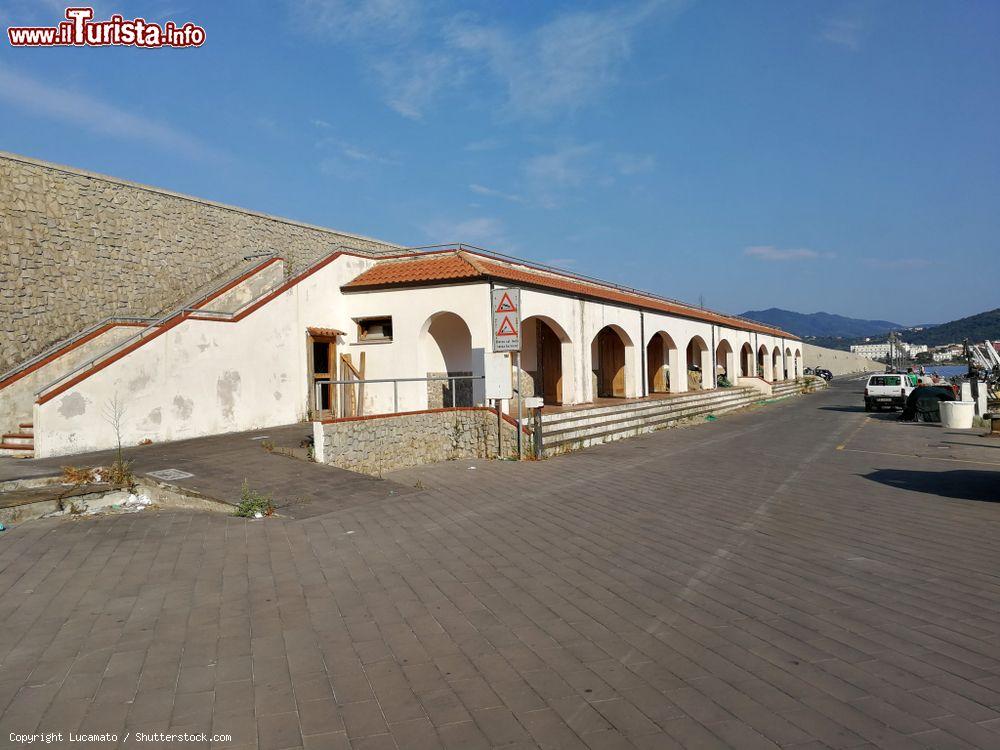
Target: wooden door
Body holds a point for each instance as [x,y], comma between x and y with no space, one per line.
[654,365]
[322,353]
[611,365]
[549,364]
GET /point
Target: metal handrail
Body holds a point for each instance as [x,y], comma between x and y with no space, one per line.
[395,386]
[70,340]
[187,307]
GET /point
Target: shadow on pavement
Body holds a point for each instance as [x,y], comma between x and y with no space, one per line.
[964,484]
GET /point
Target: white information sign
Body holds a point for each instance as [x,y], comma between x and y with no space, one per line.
[506,308]
[499,383]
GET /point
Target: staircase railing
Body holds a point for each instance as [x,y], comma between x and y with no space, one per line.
[154,325]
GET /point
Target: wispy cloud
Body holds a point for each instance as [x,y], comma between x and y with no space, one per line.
[417,52]
[629,164]
[71,106]
[491,192]
[561,65]
[487,144]
[898,264]
[486,231]
[772,253]
[844,32]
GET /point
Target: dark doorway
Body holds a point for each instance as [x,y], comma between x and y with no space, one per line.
[610,364]
[549,358]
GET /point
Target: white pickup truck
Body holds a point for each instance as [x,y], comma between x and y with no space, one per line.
[888,390]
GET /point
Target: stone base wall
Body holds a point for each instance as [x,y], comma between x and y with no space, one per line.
[439,392]
[77,247]
[383,444]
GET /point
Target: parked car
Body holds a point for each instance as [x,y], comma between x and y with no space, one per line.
[887,391]
[823,373]
[807,371]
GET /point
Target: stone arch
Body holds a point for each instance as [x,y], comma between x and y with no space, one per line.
[798,363]
[764,363]
[663,368]
[725,360]
[698,358]
[546,357]
[777,369]
[609,357]
[446,350]
[788,363]
[747,363]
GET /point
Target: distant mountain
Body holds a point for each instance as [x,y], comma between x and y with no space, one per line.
[821,324]
[976,328]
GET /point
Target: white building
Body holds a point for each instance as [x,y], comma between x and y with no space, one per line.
[881,351]
[263,349]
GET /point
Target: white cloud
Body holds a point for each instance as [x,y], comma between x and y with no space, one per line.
[844,32]
[898,264]
[772,253]
[417,52]
[487,144]
[89,112]
[340,18]
[485,231]
[629,164]
[484,190]
[413,83]
[560,66]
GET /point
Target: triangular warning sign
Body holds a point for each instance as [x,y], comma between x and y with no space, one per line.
[506,328]
[505,304]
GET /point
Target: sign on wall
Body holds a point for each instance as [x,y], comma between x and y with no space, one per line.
[506,307]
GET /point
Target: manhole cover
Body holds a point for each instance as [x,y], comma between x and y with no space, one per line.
[169,474]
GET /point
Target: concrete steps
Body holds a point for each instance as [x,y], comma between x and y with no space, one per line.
[21,443]
[581,428]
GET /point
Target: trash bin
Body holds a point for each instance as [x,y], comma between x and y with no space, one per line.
[957,415]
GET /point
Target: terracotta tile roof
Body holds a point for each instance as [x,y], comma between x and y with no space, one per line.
[327,333]
[461,265]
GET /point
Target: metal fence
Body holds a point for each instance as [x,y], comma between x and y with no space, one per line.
[339,404]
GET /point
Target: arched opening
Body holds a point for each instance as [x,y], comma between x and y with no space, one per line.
[608,361]
[446,351]
[725,362]
[788,363]
[746,361]
[699,365]
[662,370]
[798,363]
[544,347]
[764,363]
[777,369]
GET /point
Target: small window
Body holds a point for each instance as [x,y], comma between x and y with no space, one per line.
[893,381]
[878,381]
[374,329]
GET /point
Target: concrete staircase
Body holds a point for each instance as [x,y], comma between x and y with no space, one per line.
[571,430]
[20,444]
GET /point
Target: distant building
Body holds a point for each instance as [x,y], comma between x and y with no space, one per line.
[881,351]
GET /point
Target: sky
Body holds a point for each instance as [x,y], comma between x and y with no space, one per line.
[813,156]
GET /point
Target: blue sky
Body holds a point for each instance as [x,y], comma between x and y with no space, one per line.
[836,156]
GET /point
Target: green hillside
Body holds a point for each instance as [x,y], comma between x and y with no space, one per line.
[976,328]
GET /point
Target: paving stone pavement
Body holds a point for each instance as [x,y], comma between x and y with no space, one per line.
[801,575]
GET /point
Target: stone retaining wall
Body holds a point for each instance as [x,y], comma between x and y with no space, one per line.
[377,445]
[837,361]
[77,247]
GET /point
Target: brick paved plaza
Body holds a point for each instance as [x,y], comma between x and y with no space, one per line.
[800,575]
